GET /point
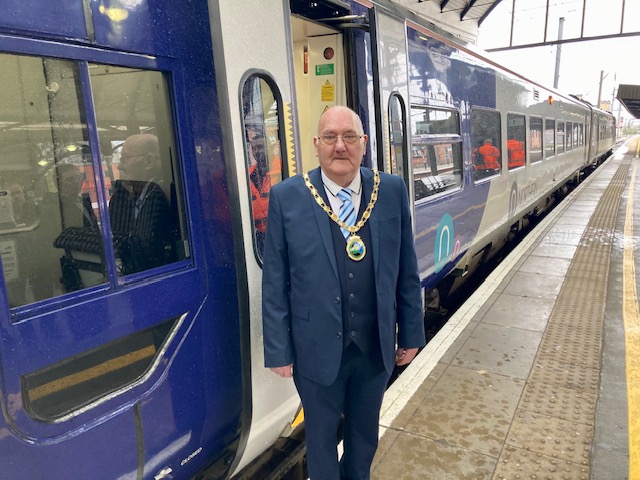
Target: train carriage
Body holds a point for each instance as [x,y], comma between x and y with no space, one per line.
[131,333]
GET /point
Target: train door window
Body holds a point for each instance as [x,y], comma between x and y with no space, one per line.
[577,134]
[436,151]
[516,139]
[486,141]
[397,121]
[560,137]
[569,135]
[261,117]
[535,139]
[140,168]
[46,184]
[549,137]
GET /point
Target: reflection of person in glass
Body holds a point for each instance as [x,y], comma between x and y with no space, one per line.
[75,205]
[139,210]
[260,185]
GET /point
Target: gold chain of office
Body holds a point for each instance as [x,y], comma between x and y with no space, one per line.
[333,216]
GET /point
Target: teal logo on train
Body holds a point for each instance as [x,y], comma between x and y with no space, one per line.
[445,242]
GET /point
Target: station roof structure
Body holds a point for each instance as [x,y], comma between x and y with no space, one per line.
[474,10]
[629,96]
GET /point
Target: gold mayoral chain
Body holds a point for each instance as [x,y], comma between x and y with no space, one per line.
[356,249]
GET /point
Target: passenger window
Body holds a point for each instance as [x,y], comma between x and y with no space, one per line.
[436,147]
[47,192]
[535,135]
[396,136]
[560,140]
[516,151]
[486,141]
[569,136]
[261,116]
[140,167]
[577,134]
[549,137]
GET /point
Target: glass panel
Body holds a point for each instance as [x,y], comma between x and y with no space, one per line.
[264,162]
[535,135]
[560,137]
[516,152]
[569,137]
[49,224]
[436,148]
[486,140]
[140,167]
[396,136]
[549,137]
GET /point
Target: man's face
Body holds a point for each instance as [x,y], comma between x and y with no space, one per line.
[340,161]
[134,163]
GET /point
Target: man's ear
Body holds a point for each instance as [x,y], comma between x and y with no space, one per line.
[149,161]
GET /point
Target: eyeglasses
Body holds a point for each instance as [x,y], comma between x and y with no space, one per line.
[329,139]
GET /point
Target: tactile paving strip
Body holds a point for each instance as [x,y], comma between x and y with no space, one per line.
[552,432]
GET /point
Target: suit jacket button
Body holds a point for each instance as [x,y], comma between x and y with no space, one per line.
[337,299]
[339,335]
[353,334]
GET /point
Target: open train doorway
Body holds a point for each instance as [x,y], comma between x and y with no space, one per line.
[320,80]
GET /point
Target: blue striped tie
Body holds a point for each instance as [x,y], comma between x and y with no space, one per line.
[347,213]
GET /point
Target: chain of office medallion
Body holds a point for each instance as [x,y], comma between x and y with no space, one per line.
[333,216]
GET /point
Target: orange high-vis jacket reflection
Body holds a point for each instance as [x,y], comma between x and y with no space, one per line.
[516,153]
[489,157]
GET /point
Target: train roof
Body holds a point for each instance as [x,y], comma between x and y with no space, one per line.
[629,96]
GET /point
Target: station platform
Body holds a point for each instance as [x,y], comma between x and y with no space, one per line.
[537,375]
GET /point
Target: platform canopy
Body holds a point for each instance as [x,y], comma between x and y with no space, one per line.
[629,96]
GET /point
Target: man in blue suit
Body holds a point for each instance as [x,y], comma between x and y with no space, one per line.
[342,301]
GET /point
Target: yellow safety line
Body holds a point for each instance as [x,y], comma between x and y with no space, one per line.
[91,373]
[631,317]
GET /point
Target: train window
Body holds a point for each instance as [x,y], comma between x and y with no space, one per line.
[560,137]
[569,135]
[436,151]
[577,134]
[486,141]
[141,173]
[397,136]
[549,137]
[46,185]
[516,138]
[261,116]
[535,139]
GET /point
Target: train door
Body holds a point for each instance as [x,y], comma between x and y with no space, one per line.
[389,32]
[252,51]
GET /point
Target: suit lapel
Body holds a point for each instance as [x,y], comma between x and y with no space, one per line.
[374,219]
[324,222]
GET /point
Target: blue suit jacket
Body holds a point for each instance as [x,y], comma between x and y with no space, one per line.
[301,310]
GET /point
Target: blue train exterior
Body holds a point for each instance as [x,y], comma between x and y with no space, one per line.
[116,362]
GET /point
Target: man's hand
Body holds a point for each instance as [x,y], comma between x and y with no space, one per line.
[405,355]
[284,372]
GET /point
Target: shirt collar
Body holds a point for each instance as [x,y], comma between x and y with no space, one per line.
[334,188]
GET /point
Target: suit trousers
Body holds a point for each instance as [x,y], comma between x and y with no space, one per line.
[357,396]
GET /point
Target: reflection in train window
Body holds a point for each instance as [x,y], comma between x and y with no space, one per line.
[549,137]
[486,141]
[569,136]
[535,135]
[261,116]
[436,151]
[46,186]
[141,171]
[51,227]
[516,138]
[397,136]
[560,137]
